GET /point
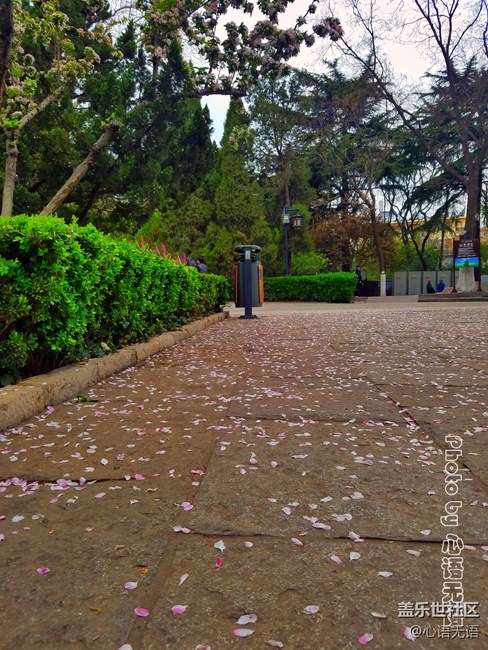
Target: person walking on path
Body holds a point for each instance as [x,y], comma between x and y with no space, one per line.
[360,281]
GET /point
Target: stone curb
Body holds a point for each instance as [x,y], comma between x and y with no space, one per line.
[31,396]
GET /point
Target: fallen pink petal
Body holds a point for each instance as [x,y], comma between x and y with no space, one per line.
[130,585]
[242,632]
[42,570]
[245,619]
[181,529]
[365,638]
[311,609]
[178,610]
[408,634]
[141,611]
[183,579]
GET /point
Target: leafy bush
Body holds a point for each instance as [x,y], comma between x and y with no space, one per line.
[308,263]
[326,287]
[66,292]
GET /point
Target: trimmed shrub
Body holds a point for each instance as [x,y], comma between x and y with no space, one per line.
[69,292]
[326,287]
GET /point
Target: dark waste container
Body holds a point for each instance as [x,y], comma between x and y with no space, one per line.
[248,278]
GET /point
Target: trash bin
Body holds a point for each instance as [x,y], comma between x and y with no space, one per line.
[248,279]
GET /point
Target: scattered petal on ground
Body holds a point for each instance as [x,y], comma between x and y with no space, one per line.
[365,638]
[141,611]
[181,529]
[245,619]
[408,634]
[42,570]
[242,632]
[311,609]
[178,610]
[183,578]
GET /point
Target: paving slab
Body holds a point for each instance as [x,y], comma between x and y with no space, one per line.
[275,480]
[280,582]
[311,443]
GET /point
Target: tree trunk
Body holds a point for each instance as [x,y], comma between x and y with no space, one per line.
[286,190]
[379,252]
[441,248]
[6,31]
[12,136]
[82,214]
[81,170]
[474,187]
[10,173]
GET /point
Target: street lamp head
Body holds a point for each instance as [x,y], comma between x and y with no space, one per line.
[297,220]
[286,215]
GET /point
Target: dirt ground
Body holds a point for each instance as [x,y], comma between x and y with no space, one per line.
[278,482]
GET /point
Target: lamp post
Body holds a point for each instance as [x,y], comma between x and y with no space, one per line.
[292,220]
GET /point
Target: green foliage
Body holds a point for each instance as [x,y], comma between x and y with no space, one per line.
[68,291]
[218,249]
[271,247]
[405,257]
[484,257]
[327,287]
[308,263]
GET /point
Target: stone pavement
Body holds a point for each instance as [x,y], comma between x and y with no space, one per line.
[292,470]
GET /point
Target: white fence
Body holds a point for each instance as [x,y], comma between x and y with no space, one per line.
[411,283]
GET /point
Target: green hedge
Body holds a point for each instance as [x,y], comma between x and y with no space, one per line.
[326,287]
[69,292]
